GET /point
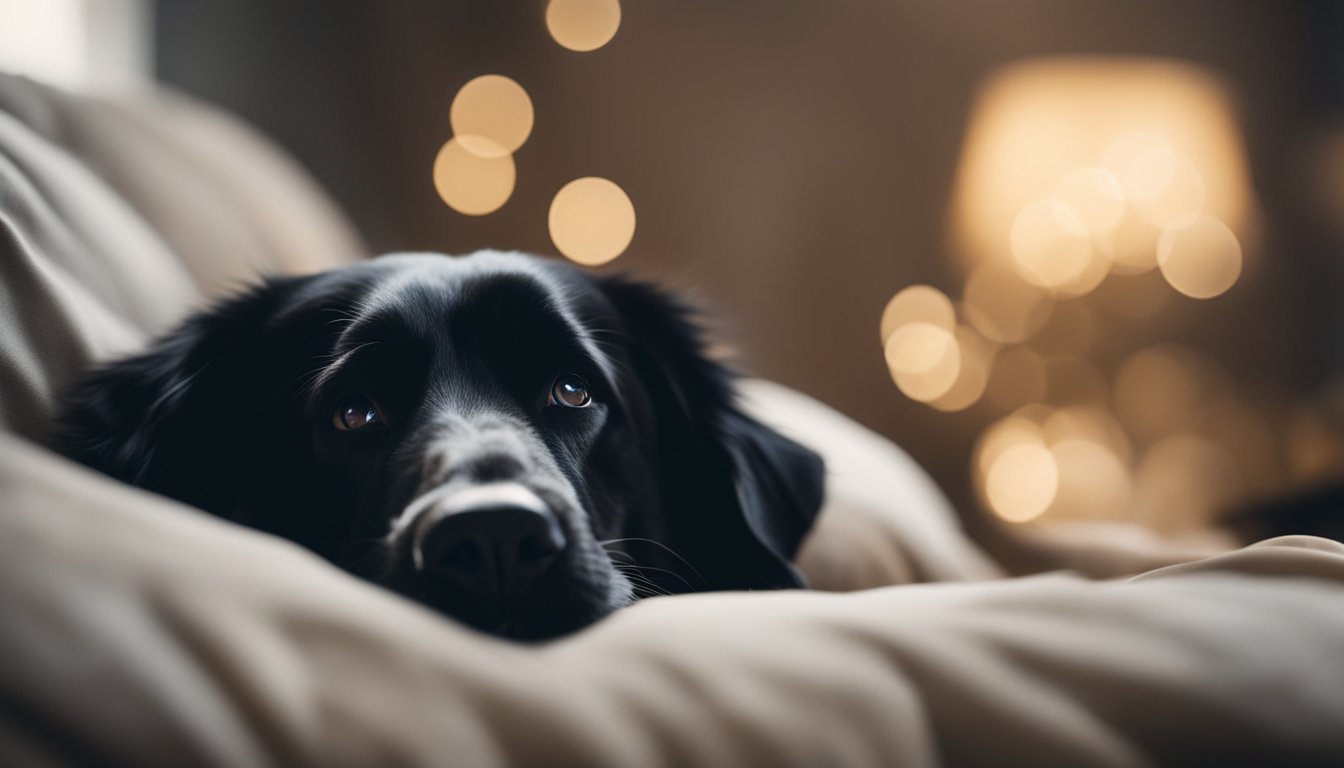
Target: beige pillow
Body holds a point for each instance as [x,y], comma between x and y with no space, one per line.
[119,216]
[140,632]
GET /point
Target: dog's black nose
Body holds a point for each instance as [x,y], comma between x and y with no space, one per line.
[489,541]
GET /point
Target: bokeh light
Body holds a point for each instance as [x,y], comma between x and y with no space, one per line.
[1074,379]
[591,220]
[1018,378]
[977,356]
[1088,189]
[1159,182]
[1090,423]
[491,116]
[1199,256]
[1166,389]
[583,25]
[1021,482]
[1095,196]
[472,183]
[1002,306]
[1183,482]
[1165,131]
[1093,482]
[1051,248]
[1015,429]
[1065,463]
[1135,297]
[917,303]
[1130,246]
[1072,330]
[924,360]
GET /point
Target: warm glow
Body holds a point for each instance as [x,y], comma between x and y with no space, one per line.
[1136,296]
[1183,482]
[583,25]
[1052,248]
[1018,378]
[1165,389]
[491,116]
[1095,196]
[1199,256]
[1130,245]
[1088,423]
[1252,440]
[1021,482]
[1093,482]
[1164,131]
[1069,463]
[1017,429]
[917,304]
[1002,306]
[977,357]
[924,360]
[1074,379]
[1159,182]
[591,220]
[471,183]
[1072,330]
[1315,447]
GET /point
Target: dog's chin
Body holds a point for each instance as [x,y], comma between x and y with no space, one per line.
[550,610]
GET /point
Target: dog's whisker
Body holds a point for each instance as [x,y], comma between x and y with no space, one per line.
[637,577]
[673,574]
[660,545]
[615,552]
[640,581]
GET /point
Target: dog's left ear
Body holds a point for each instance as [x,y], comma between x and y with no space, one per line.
[780,488]
[742,495]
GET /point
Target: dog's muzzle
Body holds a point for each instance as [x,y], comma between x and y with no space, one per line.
[488,541]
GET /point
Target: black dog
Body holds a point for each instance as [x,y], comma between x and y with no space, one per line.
[502,437]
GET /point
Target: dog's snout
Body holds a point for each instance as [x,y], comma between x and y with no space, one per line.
[489,541]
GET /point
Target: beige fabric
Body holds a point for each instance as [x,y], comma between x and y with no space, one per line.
[144,633]
[884,521]
[116,218]
[228,204]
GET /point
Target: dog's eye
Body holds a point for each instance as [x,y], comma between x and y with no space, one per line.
[569,391]
[356,412]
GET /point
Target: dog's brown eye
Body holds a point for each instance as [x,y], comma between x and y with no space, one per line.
[569,391]
[355,412]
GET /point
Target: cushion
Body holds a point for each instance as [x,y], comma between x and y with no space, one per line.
[141,632]
[117,217]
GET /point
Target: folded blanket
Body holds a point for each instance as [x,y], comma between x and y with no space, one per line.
[141,632]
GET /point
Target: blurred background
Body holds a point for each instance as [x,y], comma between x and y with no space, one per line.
[1080,259]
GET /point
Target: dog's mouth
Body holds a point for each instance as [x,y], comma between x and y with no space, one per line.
[558,606]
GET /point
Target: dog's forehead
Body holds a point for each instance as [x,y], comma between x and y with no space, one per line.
[426,294]
[433,289]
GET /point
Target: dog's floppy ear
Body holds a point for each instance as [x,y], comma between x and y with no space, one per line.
[178,418]
[738,494]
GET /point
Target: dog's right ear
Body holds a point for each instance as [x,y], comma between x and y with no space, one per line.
[175,418]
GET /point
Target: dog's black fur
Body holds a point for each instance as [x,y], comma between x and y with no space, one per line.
[661,485]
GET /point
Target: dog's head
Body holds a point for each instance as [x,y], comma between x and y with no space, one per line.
[501,437]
